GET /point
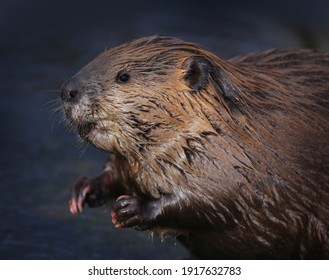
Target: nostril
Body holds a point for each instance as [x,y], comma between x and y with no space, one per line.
[69,92]
[74,89]
[73,95]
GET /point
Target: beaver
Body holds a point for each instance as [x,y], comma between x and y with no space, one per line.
[231,157]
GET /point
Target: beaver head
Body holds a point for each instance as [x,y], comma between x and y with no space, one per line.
[142,94]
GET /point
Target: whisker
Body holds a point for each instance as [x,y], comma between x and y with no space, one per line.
[82,147]
[52,103]
[55,108]
[70,127]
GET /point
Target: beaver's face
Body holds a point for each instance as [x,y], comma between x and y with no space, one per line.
[132,96]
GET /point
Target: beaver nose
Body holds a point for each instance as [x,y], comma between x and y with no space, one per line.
[70,92]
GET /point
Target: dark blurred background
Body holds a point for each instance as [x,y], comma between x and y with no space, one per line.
[43,43]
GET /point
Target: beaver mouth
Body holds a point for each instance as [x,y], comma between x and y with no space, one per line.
[85,128]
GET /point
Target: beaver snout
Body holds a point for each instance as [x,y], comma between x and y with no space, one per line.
[78,97]
[74,89]
[71,91]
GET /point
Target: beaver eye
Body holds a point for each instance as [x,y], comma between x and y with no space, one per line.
[123,77]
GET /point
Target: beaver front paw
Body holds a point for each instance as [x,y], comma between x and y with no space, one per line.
[127,212]
[94,192]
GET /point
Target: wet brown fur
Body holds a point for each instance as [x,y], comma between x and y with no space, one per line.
[237,164]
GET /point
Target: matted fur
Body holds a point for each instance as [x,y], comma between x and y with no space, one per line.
[240,164]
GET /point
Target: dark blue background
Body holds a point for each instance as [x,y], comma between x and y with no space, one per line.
[43,43]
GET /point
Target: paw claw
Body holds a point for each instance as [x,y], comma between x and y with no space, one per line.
[73,208]
[114,218]
[93,192]
[122,197]
[126,212]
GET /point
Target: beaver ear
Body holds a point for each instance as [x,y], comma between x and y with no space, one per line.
[196,72]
